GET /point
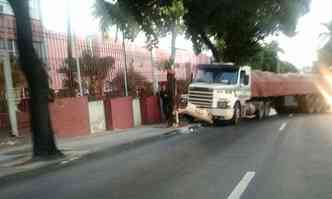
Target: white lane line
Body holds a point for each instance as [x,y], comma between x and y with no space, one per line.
[283,126]
[242,186]
[70,160]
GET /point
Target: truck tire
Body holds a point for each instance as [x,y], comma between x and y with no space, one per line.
[267,109]
[237,114]
[260,113]
[279,105]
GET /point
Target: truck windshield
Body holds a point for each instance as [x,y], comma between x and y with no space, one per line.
[217,75]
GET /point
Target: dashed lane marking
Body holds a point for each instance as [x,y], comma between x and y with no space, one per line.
[283,126]
[242,185]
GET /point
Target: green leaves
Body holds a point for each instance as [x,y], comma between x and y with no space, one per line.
[325,53]
[155,18]
[239,25]
[266,59]
[116,14]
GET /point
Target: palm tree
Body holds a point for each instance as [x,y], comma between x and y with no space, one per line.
[112,14]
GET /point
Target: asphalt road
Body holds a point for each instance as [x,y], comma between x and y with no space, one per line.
[279,158]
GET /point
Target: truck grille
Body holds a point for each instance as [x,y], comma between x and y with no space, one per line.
[201,97]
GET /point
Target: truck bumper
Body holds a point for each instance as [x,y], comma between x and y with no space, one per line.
[222,114]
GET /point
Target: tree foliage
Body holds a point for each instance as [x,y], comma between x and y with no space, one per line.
[286,67]
[135,16]
[325,53]
[93,69]
[115,14]
[230,29]
[266,59]
[239,25]
[137,86]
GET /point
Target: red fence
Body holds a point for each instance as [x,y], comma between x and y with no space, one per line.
[4,121]
[70,117]
[119,113]
[150,109]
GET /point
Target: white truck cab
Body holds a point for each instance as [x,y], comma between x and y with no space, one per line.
[221,89]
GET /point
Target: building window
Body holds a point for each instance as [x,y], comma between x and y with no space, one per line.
[2,44]
[11,47]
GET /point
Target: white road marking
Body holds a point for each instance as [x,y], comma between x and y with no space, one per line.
[242,186]
[70,160]
[64,162]
[283,126]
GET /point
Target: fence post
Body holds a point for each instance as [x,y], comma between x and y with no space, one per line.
[10,94]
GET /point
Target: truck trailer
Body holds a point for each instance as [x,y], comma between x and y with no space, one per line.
[229,92]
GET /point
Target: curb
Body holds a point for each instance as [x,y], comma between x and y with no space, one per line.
[75,158]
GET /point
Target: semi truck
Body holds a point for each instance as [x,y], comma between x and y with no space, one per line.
[229,92]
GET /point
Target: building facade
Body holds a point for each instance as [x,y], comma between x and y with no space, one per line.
[7,27]
[8,38]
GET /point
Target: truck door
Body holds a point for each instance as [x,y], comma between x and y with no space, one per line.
[244,85]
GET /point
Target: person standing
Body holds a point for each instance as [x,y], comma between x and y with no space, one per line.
[164,102]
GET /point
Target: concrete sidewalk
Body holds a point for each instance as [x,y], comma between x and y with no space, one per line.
[17,159]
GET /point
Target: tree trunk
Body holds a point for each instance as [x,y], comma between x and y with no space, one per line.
[171,81]
[173,44]
[211,46]
[44,145]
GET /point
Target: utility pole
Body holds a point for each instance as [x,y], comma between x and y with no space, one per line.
[70,49]
[125,64]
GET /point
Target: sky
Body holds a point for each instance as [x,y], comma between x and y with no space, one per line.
[300,50]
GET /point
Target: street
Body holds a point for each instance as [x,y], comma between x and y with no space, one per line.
[280,157]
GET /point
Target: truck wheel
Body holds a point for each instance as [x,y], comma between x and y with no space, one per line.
[237,114]
[267,109]
[260,111]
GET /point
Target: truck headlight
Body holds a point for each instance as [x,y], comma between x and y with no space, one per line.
[223,104]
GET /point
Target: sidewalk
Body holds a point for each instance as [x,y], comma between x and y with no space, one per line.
[17,159]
